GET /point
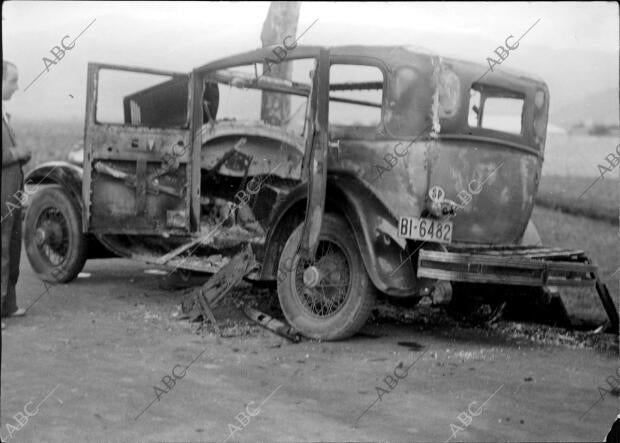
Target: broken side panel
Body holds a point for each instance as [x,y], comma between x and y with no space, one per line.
[316,155]
[137,149]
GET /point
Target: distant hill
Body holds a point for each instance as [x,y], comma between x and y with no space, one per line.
[600,107]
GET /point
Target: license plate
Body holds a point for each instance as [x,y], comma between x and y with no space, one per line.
[428,229]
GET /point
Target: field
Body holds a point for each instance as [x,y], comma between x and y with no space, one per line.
[48,140]
[563,219]
[571,166]
[562,194]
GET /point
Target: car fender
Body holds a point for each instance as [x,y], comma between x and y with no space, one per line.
[374,228]
[69,176]
[62,173]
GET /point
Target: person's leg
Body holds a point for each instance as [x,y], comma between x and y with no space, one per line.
[6,229]
[15,256]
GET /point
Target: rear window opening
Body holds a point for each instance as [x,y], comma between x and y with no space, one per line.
[356,96]
[496,110]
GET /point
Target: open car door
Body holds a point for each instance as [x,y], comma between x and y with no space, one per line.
[137,168]
[315,158]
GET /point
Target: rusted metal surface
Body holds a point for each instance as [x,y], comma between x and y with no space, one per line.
[608,302]
[267,145]
[136,152]
[526,266]
[480,268]
[316,163]
[219,285]
[272,324]
[373,175]
[137,181]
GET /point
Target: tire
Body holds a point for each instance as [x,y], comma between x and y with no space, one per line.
[340,270]
[55,244]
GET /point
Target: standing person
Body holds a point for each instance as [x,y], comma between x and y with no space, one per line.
[13,157]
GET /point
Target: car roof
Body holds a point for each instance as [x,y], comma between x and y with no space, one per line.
[389,54]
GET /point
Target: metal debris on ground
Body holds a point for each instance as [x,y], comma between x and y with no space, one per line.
[203,300]
[271,324]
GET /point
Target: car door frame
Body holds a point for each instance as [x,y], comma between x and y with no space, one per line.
[156,225]
[315,158]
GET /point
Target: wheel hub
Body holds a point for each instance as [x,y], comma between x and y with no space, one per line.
[323,283]
[52,235]
[48,233]
[312,276]
[40,236]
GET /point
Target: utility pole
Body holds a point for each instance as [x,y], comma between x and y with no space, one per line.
[281,21]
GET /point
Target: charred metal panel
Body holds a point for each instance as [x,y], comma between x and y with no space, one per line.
[195,110]
[498,209]
[493,186]
[116,203]
[315,160]
[524,266]
[506,269]
[111,142]
[141,188]
[534,93]
[370,221]
[373,225]
[137,200]
[128,184]
[273,151]
[400,183]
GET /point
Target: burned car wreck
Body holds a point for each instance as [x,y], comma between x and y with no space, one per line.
[374,169]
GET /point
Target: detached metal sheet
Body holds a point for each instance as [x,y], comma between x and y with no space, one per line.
[509,267]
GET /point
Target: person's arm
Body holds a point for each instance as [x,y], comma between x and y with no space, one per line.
[22,154]
[15,154]
[12,154]
[8,157]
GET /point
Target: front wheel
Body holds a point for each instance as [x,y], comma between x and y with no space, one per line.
[55,244]
[330,297]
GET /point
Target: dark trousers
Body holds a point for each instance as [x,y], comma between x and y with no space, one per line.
[11,227]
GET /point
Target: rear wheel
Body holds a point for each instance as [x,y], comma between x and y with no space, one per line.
[331,296]
[55,244]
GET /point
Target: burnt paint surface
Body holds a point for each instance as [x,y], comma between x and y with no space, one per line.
[491,176]
[368,218]
[113,205]
[493,184]
[273,151]
[447,154]
[370,221]
[134,206]
[501,202]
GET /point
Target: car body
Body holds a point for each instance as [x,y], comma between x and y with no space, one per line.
[393,143]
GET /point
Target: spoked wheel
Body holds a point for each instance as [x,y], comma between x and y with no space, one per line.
[331,296]
[55,244]
[324,283]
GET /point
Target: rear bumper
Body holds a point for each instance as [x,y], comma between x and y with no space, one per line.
[528,266]
[517,265]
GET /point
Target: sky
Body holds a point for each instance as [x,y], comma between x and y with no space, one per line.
[179,36]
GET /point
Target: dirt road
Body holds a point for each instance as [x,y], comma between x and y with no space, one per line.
[91,353]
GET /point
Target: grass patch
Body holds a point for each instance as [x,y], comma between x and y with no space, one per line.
[562,194]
